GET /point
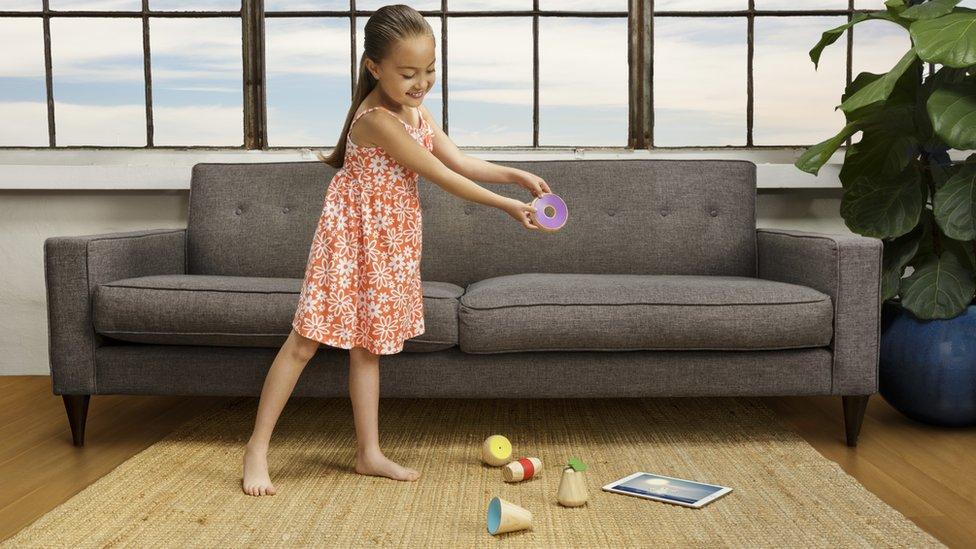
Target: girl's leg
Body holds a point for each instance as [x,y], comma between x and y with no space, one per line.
[278,386]
[364,391]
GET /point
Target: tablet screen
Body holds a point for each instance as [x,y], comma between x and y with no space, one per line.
[677,490]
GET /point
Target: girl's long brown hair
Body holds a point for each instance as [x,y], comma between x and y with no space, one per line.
[383,29]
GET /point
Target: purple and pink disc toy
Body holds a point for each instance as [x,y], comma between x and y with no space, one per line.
[551,212]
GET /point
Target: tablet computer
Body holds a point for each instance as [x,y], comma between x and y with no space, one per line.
[668,489]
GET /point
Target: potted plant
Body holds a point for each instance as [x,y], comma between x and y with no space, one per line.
[900,185]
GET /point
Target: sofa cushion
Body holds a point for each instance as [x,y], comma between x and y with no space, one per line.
[626,216]
[543,312]
[694,217]
[254,218]
[236,311]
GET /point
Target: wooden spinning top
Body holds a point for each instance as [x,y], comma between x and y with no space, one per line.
[521,469]
[497,450]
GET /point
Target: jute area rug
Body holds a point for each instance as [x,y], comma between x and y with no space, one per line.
[184,491]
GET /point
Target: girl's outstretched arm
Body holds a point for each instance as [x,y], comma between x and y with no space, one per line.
[476,168]
[388,133]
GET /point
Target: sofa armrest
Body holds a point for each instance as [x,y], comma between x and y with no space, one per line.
[73,267]
[847,267]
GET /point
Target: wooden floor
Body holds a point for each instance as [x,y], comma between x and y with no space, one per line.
[927,473]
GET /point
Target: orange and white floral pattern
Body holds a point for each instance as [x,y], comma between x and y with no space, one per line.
[362,280]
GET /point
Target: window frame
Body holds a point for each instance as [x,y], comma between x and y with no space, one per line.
[640,55]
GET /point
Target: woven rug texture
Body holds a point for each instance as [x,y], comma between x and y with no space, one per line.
[185,490]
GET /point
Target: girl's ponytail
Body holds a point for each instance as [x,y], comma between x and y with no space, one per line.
[364,84]
[383,29]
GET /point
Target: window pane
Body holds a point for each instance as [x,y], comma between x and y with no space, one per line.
[194,5]
[583,75]
[418,5]
[699,81]
[23,100]
[491,89]
[197,81]
[433,100]
[484,5]
[308,80]
[584,5]
[794,104]
[99,87]
[295,5]
[20,5]
[805,5]
[700,5]
[878,45]
[106,5]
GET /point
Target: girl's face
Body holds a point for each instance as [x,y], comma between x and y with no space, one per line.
[408,73]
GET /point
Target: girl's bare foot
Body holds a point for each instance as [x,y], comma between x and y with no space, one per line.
[256,480]
[376,464]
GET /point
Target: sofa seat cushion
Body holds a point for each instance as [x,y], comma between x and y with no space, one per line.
[588,312]
[236,311]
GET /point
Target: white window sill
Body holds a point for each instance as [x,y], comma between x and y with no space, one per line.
[149,169]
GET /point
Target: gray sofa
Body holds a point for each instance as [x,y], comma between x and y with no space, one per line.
[660,284]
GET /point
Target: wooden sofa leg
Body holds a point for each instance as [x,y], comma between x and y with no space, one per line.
[854,408]
[77,408]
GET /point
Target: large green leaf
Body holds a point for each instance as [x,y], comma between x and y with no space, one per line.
[947,75]
[887,144]
[955,204]
[877,155]
[904,93]
[941,287]
[929,10]
[816,156]
[927,245]
[895,119]
[831,36]
[895,7]
[940,167]
[897,253]
[952,108]
[883,207]
[948,40]
[962,250]
[923,121]
[880,89]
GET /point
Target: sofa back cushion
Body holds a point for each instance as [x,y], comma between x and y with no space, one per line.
[625,216]
[254,219]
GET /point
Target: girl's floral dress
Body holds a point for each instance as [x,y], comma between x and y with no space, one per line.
[362,280]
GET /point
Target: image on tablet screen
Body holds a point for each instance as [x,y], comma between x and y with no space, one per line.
[667,488]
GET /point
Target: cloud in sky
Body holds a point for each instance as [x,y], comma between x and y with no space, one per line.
[24,124]
[700,82]
[121,125]
[699,87]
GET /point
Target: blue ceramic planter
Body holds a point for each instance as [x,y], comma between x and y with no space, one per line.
[927,368]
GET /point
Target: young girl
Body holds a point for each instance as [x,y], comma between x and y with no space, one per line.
[362,287]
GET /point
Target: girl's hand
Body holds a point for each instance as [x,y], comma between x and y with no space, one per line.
[531,182]
[520,211]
